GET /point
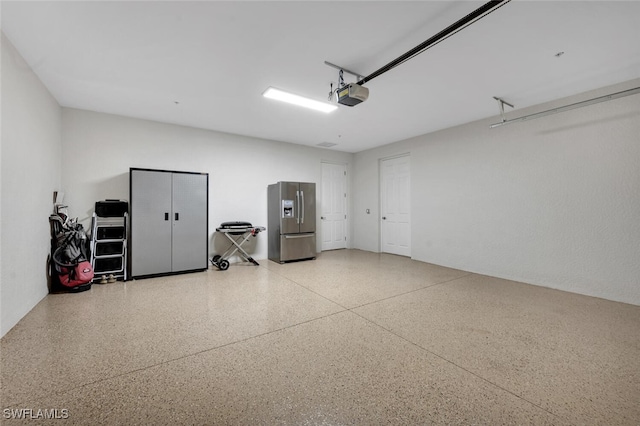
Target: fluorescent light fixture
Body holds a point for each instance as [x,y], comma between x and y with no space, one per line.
[273,93]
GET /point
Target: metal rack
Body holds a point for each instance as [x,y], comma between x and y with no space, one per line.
[109,247]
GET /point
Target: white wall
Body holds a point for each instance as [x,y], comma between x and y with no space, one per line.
[240,168]
[553,201]
[31,153]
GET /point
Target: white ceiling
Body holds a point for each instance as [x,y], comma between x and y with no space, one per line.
[216,58]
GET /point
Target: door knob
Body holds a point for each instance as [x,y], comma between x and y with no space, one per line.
[384,218]
[322,217]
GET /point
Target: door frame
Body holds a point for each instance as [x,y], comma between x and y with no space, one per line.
[346,200]
[380,187]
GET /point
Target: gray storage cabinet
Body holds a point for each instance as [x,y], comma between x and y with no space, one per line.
[169,222]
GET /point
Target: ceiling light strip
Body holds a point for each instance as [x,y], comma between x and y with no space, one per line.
[570,107]
[281,95]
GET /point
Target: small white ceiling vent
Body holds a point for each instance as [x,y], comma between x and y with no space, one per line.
[326,144]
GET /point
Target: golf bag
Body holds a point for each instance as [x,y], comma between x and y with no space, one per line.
[71,269]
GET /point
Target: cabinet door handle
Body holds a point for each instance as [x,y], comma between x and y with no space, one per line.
[166,216]
[177,216]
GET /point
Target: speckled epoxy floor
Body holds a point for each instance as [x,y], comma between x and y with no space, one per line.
[349,338]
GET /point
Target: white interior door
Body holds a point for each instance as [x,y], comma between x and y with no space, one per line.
[395,209]
[333,215]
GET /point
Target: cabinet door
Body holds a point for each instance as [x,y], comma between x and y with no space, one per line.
[150,222]
[190,231]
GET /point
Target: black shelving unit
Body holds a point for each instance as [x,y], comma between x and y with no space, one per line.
[109,247]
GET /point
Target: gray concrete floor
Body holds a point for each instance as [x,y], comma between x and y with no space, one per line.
[349,338]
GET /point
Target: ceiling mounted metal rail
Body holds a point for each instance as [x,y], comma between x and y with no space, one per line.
[477,14]
[502,103]
[570,107]
[339,68]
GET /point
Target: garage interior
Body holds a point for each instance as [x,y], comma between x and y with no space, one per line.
[491,278]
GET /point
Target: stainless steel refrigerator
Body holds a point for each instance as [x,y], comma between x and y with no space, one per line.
[291,221]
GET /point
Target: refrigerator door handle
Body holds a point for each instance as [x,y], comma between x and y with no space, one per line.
[298,207]
[296,236]
[302,206]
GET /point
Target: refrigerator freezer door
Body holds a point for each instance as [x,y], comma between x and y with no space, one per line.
[289,205]
[297,246]
[307,207]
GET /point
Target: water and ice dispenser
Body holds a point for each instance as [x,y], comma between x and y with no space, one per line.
[287,208]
